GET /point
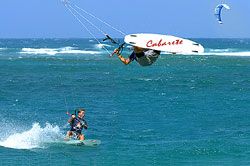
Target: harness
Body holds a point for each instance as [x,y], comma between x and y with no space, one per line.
[77,125]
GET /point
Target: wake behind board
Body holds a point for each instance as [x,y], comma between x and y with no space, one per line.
[167,43]
[87,142]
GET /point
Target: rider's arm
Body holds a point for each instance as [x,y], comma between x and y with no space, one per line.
[124,60]
[72,118]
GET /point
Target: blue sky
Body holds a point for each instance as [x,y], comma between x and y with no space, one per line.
[184,18]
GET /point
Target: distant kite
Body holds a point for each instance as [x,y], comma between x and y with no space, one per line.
[217,11]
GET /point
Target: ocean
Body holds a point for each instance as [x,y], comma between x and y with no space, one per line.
[182,110]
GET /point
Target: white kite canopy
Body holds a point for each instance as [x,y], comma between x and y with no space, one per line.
[218,10]
[167,43]
[226,6]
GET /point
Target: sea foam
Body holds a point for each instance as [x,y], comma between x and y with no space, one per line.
[54,51]
[36,137]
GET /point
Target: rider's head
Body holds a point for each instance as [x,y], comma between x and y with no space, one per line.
[137,49]
[81,112]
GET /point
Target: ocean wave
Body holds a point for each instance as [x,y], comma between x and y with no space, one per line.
[145,79]
[54,51]
[221,50]
[246,53]
[36,137]
[3,49]
[101,46]
[217,52]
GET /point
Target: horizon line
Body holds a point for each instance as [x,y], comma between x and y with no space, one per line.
[3,38]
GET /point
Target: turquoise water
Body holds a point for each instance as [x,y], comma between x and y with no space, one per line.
[183,110]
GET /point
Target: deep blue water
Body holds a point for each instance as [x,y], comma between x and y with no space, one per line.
[183,110]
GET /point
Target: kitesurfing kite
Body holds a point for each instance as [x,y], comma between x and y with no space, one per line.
[217,11]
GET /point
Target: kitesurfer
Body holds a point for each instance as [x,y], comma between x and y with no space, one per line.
[145,57]
[77,124]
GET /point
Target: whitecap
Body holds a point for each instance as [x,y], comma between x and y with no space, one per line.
[54,51]
[1,49]
[36,51]
[246,53]
[101,46]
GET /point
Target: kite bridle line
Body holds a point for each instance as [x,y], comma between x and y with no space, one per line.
[75,11]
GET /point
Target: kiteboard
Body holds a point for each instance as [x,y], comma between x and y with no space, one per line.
[166,43]
[86,142]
